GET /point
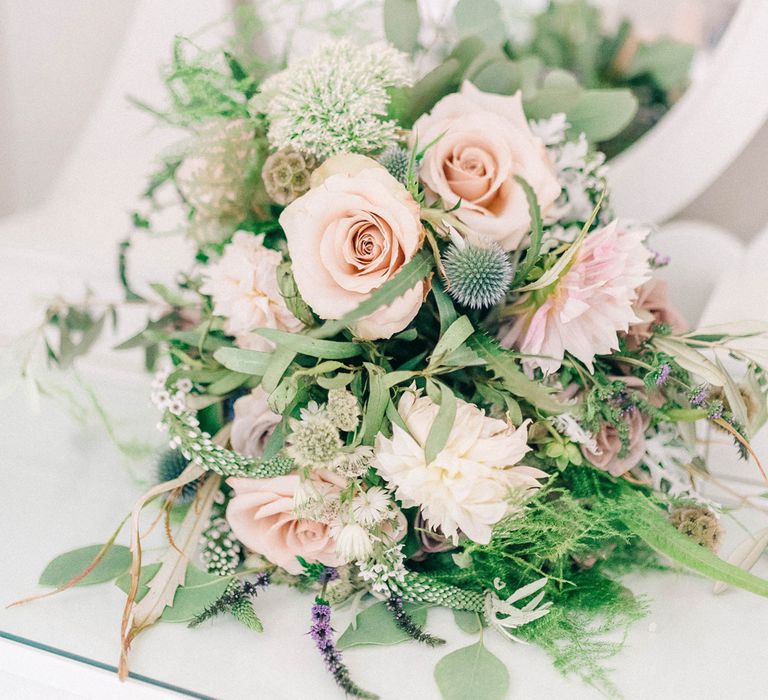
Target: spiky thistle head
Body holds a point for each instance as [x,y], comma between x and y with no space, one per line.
[478,277]
[396,159]
[170,465]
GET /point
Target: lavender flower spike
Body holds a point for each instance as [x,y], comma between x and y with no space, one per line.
[322,634]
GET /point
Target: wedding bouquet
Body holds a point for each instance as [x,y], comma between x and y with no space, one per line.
[417,362]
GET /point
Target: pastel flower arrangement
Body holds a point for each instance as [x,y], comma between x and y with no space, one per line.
[420,360]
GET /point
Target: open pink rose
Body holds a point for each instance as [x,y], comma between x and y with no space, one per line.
[609,458]
[261,516]
[480,142]
[348,235]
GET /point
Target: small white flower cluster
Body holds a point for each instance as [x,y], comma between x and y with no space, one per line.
[220,549]
[173,400]
[385,564]
[335,100]
[581,173]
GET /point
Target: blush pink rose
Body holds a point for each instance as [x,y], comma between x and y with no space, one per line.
[480,142]
[352,232]
[609,457]
[261,517]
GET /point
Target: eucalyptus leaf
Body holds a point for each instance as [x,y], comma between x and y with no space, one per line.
[145,576]
[376,626]
[228,384]
[408,104]
[402,23]
[480,18]
[66,566]
[280,360]
[378,398]
[467,621]
[602,114]
[442,426]
[667,61]
[313,347]
[500,77]
[251,362]
[470,673]
[200,590]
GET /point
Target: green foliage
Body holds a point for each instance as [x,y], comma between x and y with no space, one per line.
[375,626]
[70,564]
[402,23]
[472,672]
[200,590]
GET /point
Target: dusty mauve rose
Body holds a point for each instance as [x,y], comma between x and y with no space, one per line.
[432,539]
[253,424]
[653,308]
[261,517]
[481,142]
[350,234]
[608,441]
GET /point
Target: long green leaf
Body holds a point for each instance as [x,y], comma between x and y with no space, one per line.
[251,362]
[378,398]
[280,361]
[451,340]
[537,233]
[504,366]
[441,428]
[649,523]
[313,347]
[409,275]
[445,306]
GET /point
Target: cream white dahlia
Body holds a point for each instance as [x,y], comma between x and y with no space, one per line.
[472,483]
[587,307]
[243,286]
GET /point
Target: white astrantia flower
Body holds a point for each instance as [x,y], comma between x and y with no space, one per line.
[353,541]
[353,462]
[343,409]
[472,483]
[372,506]
[335,100]
[314,441]
[245,292]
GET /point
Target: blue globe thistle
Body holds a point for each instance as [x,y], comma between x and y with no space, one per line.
[396,159]
[170,466]
[478,278]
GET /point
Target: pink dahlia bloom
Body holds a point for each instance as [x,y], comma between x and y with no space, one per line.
[590,303]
